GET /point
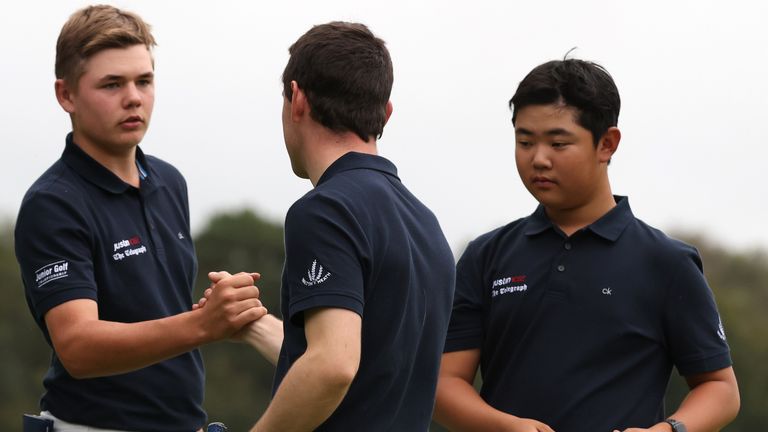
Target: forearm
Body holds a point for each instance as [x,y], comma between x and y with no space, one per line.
[265,335]
[310,392]
[709,406]
[460,408]
[97,348]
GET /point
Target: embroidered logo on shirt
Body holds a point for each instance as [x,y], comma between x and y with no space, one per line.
[51,272]
[720,329]
[315,275]
[181,236]
[607,291]
[509,284]
[128,248]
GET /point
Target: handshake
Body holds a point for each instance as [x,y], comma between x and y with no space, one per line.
[231,308]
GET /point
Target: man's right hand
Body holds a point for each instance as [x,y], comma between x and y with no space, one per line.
[229,304]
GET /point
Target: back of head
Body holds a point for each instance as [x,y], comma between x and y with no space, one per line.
[93,29]
[584,85]
[346,73]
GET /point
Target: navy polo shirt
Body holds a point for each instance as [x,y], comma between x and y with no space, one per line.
[581,332]
[361,241]
[82,233]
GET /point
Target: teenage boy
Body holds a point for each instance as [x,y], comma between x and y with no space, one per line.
[368,277]
[577,313]
[105,250]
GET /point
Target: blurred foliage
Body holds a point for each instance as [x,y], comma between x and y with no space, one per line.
[239,381]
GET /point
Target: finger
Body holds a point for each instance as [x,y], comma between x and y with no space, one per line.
[250,315]
[202,302]
[217,276]
[246,292]
[207,293]
[244,305]
[256,277]
[236,281]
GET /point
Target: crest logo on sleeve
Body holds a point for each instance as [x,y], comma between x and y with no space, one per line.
[51,272]
[720,329]
[508,285]
[127,248]
[315,275]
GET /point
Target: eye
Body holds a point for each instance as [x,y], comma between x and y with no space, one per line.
[111,85]
[523,143]
[145,82]
[559,144]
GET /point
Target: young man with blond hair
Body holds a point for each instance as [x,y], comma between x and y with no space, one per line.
[577,314]
[105,250]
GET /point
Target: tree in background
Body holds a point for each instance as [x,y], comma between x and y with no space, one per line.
[239,381]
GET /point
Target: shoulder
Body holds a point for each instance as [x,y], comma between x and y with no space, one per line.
[660,245]
[56,189]
[317,204]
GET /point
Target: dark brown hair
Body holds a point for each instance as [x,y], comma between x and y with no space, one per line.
[346,73]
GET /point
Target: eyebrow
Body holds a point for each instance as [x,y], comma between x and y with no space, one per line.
[122,77]
[551,132]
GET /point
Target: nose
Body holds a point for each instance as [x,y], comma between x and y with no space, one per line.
[132,95]
[540,157]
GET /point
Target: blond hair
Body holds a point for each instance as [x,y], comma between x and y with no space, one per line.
[93,29]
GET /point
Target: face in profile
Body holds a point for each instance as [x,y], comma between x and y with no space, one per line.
[112,104]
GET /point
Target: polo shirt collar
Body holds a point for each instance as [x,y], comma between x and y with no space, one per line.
[88,168]
[609,226]
[355,160]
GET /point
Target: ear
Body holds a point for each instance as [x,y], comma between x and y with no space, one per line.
[64,95]
[388,111]
[299,104]
[608,144]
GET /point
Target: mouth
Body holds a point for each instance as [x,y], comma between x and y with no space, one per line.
[132,122]
[541,181]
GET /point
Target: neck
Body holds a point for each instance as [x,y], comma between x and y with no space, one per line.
[122,164]
[324,147]
[570,220]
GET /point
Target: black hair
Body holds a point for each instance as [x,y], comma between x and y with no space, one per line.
[581,84]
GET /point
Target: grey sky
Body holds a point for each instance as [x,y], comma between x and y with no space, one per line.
[691,76]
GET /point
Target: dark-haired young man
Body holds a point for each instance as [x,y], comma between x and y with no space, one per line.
[368,277]
[105,251]
[577,313]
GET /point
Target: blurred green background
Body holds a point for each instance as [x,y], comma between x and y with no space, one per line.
[239,380]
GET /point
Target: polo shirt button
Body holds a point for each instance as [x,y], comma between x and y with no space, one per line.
[567,246]
[561,268]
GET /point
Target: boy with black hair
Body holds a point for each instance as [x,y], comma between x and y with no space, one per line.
[577,313]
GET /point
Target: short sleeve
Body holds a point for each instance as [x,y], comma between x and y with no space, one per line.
[324,248]
[695,333]
[53,248]
[465,330]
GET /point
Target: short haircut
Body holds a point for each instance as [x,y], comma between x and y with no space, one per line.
[581,84]
[346,73]
[93,29]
